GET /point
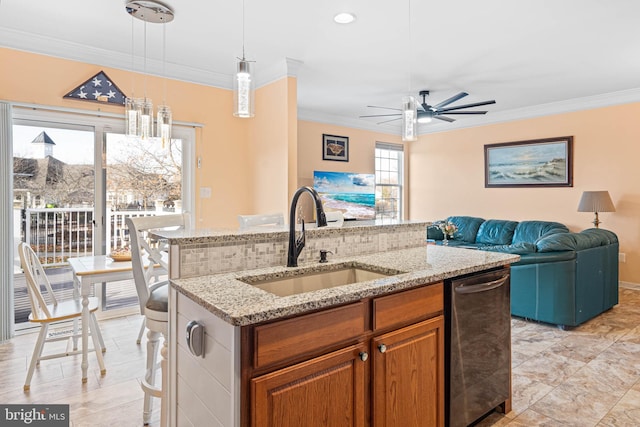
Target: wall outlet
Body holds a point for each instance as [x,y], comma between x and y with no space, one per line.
[622,257]
[205,192]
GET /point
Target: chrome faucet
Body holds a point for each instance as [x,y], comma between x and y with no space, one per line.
[296,244]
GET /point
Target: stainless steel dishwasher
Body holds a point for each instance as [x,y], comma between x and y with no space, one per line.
[478,345]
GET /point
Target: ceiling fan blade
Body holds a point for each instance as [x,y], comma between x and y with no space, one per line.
[465,112]
[450,100]
[387,108]
[387,121]
[459,107]
[381,115]
[443,118]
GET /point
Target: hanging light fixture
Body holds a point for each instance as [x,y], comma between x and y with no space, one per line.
[409,119]
[163,120]
[139,111]
[132,108]
[409,105]
[243,84]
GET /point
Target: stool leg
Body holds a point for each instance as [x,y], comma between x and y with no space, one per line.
[164,351]
[152,348]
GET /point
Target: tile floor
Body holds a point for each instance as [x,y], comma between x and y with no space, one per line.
[588,376]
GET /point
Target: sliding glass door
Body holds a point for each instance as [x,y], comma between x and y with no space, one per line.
[76,179]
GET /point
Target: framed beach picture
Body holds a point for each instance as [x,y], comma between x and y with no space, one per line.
[335,148]
[535,163]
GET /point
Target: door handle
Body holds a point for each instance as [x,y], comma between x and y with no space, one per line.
[195,338]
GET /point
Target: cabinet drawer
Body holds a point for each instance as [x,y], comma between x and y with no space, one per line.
[408,306]
[306,334]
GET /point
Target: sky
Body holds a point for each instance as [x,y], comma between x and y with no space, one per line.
[72,146]
[343,182]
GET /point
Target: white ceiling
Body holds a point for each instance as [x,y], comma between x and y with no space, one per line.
[533,57]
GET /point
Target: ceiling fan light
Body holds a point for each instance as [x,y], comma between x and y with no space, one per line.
[424,119]
[344,18]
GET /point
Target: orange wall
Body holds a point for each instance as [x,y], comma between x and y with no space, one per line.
[221,143]
[362,144]
[269,146]
[447,175]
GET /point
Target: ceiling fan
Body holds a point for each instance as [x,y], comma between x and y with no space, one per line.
[427,112]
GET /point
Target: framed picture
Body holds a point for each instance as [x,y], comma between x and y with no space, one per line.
[535,163]
[335,148]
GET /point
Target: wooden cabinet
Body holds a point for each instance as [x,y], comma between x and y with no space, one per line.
[408,376]
[328,390]
[378,362]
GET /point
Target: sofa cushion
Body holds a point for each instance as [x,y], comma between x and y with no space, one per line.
[607,237]
[467,227]
[521,248]
[496,232]
[557,242]
[531,231]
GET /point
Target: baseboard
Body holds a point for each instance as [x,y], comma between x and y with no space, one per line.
[629,285]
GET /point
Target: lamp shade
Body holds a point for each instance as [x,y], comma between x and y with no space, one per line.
[596,201]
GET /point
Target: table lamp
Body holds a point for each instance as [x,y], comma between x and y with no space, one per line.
[596,201]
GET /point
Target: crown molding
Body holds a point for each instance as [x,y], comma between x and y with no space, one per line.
[349,122]
[287,67]
[47,46]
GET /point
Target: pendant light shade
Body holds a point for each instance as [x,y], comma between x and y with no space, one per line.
[244,90]
[133,111]
[409,119]
[163,123]
[146,119]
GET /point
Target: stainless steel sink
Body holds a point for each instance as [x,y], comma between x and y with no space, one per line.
[317,280]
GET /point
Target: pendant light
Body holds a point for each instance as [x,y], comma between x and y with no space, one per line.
[409,119]
[243,84]
[132,108]
[139,111]
[409,105]
[163,120]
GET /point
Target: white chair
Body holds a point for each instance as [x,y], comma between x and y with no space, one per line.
[250,221]
[147,255]
[46,310]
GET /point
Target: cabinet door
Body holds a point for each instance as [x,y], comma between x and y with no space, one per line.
[326,391]
[408,376]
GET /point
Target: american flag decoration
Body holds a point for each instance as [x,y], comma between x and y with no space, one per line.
[98,88]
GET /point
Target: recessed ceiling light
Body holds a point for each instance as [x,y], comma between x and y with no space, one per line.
[344,18]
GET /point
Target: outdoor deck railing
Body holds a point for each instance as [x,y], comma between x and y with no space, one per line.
[60,233]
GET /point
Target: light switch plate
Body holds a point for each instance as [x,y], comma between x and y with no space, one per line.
[205,192]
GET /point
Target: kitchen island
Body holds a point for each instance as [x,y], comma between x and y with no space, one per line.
[344,355]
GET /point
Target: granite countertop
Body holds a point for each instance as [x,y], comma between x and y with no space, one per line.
[240,303]
[281,232]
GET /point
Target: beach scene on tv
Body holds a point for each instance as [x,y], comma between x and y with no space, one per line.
[353,194]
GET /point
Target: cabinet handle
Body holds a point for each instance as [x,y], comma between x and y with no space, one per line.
[382,348]
[364,356]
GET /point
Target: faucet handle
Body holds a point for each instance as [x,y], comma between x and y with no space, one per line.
[323,255]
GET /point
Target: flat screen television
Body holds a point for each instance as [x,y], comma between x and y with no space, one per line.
[354,194]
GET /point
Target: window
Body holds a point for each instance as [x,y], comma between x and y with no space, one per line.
[389,174]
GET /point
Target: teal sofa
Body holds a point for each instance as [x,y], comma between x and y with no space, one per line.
[562,278]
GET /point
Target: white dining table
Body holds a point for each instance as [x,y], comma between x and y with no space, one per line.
[87,271]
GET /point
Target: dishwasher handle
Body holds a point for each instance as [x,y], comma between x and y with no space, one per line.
[481,287]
